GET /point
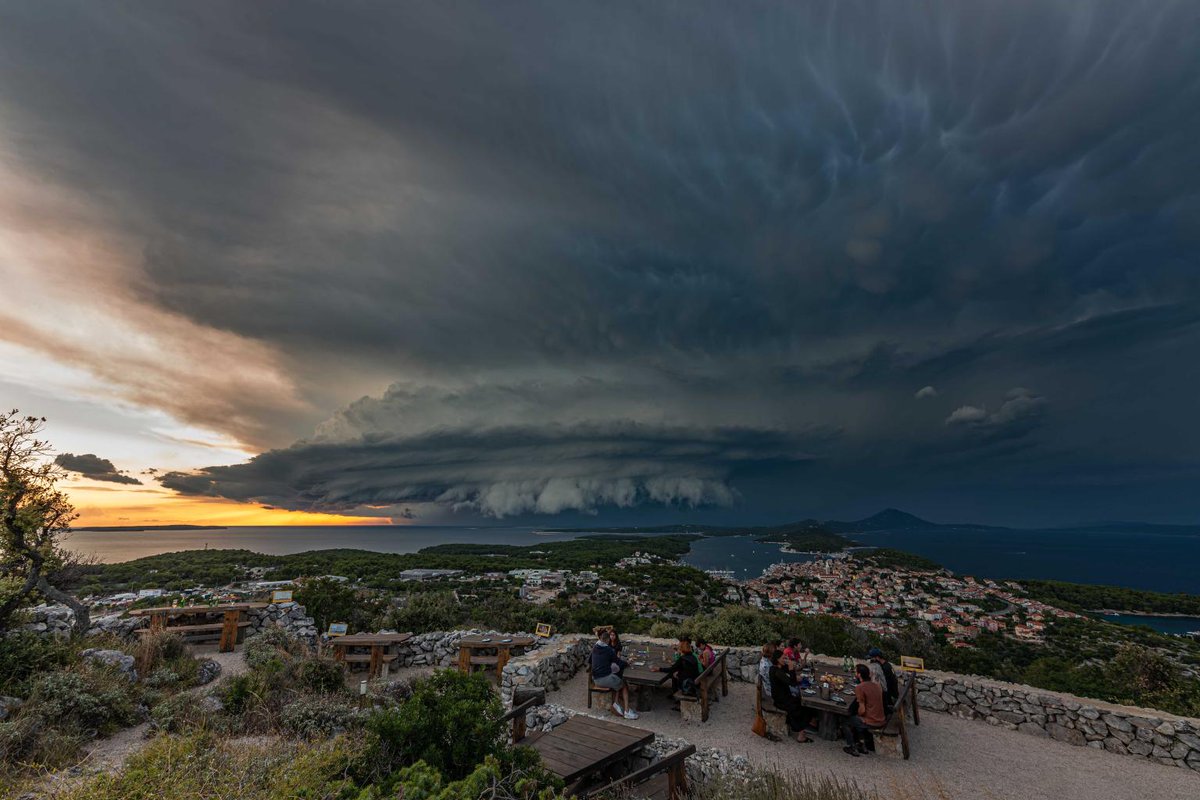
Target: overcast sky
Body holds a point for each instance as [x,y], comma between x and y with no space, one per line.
[653,261]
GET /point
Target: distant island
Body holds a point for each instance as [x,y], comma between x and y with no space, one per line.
[140,528]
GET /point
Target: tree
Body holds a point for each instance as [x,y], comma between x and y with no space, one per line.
[34,516]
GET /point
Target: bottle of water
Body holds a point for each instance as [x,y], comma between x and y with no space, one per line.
[847,664]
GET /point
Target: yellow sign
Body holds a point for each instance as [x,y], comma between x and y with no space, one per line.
[338,628]
[281,596]
[912,663]
[543,630]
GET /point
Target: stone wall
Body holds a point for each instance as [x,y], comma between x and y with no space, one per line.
[555,662]
[292,617]
[1118,729]
[56,620]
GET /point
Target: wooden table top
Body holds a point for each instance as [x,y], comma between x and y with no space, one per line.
[585,745]
[496,641]
[141,612]
[645,676]
[365,639]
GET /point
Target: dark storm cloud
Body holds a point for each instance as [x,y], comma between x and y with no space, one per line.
[92,466]
[568,217]
[504,471]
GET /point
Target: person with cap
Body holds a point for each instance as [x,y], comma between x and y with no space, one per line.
[889,675]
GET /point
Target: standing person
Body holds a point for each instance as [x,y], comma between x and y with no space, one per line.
[781,681]
[706,654]
[892,690]
[606,673]
[869,696]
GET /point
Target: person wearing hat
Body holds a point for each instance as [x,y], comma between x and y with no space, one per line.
[889,675]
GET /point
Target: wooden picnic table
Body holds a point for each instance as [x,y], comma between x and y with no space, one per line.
[584,747]
[832,712]
[378,645]
[472,651]
[643,681]
[226,631]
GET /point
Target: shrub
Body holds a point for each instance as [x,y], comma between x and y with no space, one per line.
[25,655]
[451,722]
[320,716]
[181,712]
[320,675]
[272,648]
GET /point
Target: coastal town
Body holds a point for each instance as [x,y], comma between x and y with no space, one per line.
[883,599]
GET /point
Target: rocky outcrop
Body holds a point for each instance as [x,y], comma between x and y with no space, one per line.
[8,705]
[1167,739]
[207,672]
[114,659]
[552,664]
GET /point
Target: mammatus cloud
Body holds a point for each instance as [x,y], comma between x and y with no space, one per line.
[92,466]
[586,222]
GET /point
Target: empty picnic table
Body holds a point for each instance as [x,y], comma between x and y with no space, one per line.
[583,747]
[473,651]
[225,631]
[379,646]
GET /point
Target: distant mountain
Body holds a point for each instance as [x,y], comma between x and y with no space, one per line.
[890,519]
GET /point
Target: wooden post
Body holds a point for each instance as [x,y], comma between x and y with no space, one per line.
[725,673]
[677,784]
[912,694]
[376,661]
[464,659]
[229,631]
[158,622]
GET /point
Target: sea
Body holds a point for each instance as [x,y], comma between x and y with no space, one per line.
[1139,559]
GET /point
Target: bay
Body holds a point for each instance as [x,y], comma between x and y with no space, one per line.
[1176,625]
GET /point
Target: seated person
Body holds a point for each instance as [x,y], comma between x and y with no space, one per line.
[764,668]
[781,681]
[796,654]
[892,692]
[869,697]
[606,673]
[705,652]
[686,667]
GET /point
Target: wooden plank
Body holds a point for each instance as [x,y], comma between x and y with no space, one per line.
[645,677]
[368,639]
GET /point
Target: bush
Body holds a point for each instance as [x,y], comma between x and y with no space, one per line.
[181,712]
[451,722]
[64,710]
[25,655]
[320,675]
[273,648]
[320,716]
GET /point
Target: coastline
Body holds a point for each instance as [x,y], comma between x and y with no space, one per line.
[1108,612]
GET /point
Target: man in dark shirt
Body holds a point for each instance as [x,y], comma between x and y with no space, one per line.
[889,675]
[607,667]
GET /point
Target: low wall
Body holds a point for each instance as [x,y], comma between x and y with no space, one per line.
[1162,737]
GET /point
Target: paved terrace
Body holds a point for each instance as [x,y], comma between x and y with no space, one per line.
[951,757]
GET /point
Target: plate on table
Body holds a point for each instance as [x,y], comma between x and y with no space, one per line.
[810,691]
[505,641]
[639,663]
[485,640]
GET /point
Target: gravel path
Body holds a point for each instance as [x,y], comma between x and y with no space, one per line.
[951,757]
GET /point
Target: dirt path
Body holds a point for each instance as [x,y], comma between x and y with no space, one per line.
[110,753]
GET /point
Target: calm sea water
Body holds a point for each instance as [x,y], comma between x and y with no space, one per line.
[1151,560]
[1163,624]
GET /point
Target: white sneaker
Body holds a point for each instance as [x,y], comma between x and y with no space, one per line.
[617,708]
[631,714]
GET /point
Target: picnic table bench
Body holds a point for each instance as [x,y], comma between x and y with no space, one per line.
[225,632]
[832,713]
[347,650]
[489,652]
[583,749]
[705,688]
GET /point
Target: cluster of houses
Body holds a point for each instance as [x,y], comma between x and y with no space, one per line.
[885,599]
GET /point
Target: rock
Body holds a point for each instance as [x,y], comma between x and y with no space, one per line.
[1063,734]
[1117,723]
[932,701]
[1032,728]
[1089,713]
[1140,748]
[208,671]
[1166,729]
[9,704]
[212,704]
[1190,739]
[112,658]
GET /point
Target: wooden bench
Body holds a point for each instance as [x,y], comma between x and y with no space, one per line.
[705,694]
[895,725]
[205,629]
[665,779]
[594,689]
[775,718]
